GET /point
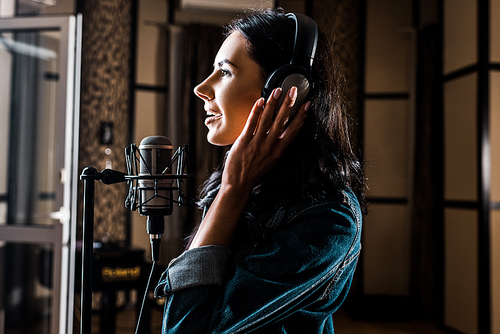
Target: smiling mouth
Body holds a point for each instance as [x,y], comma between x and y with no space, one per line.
[211,113]
[211,117]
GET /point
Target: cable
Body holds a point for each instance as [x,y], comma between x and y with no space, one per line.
[145,296]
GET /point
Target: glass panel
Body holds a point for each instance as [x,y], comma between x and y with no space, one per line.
[495,30]
[7,8]
[30,187]
[151,43]
[461,270]
[26,300]
[386,148]
[495,269]
[495,135]
[151,106]
[460,138]
[460,34]
[386,251]
[37,70]
[5,82]
[387,46]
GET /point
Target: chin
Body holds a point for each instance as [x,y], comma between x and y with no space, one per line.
[216,141]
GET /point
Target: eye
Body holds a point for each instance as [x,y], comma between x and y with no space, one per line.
[225,72]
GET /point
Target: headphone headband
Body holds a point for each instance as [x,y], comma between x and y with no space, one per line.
[298,72]
[306,39]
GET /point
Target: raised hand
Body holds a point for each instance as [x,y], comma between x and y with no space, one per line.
[254,152]
[262,140]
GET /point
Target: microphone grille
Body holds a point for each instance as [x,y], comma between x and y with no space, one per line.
[156,152]
[156,140]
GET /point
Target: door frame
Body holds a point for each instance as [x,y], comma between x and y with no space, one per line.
[62,235]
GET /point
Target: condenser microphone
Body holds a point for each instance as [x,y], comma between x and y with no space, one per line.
[155,192]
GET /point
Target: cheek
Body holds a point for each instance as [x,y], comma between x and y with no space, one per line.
[241,102]
[246,93]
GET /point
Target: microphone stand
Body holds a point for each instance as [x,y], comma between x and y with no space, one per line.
[89,176]
[107,176]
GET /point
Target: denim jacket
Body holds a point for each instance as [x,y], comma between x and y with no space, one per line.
[291,283]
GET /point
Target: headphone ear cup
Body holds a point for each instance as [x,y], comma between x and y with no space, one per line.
[286,77]
[273,81]
[302,84]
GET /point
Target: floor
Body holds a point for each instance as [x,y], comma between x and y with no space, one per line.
[345,325]
[126,323]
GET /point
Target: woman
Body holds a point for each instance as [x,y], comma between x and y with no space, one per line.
[280,235]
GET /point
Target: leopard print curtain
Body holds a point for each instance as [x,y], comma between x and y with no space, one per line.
[105,101]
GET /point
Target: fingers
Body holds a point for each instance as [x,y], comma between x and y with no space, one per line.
[262,122]
[268,114]
[274,119]
[285,109]
[295,125]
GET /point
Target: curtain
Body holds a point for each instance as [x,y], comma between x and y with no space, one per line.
[427,217]
[200,45]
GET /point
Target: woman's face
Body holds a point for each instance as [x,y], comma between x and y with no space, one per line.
[230,91]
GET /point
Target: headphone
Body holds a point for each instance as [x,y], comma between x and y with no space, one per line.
[297,72]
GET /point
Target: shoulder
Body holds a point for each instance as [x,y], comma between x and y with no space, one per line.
[330,222]
[319,235]
[341,209]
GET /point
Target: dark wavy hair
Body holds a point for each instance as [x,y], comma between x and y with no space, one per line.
[319,162]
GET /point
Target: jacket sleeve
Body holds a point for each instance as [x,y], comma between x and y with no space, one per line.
[308,263]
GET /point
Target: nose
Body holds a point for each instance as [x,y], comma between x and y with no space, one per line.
[204,90]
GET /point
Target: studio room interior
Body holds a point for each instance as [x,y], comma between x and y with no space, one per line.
[84,82]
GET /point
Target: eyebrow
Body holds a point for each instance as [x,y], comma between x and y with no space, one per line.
[225,61]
